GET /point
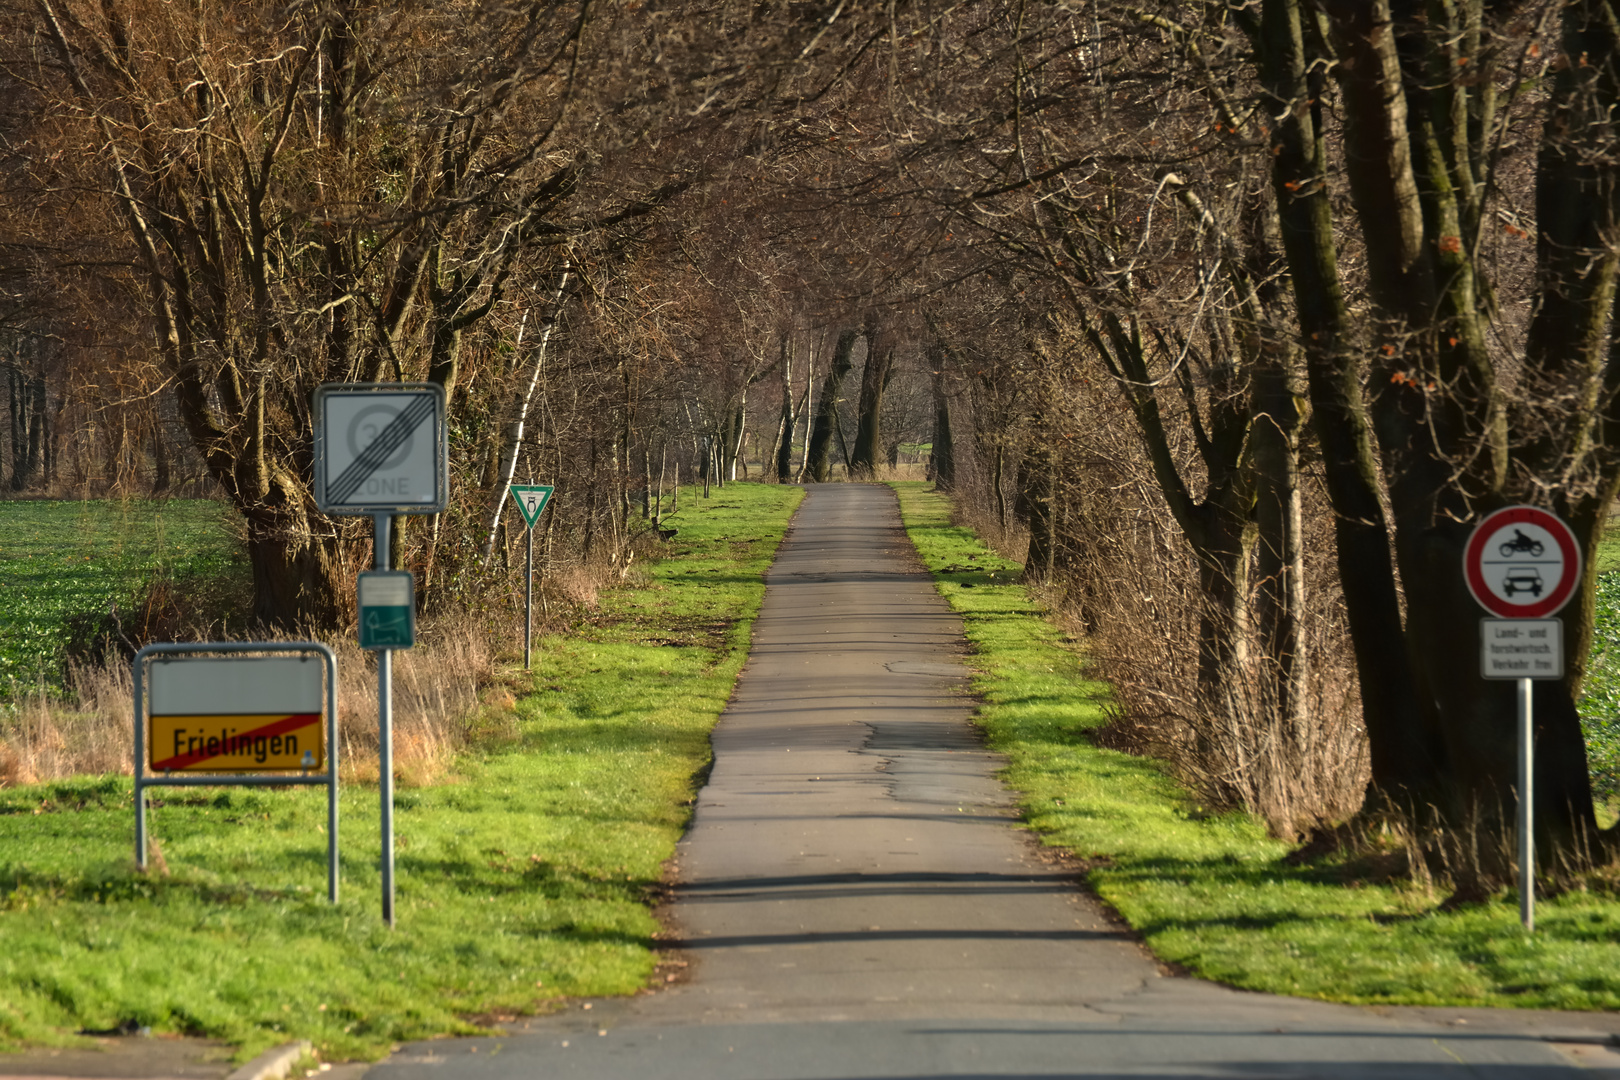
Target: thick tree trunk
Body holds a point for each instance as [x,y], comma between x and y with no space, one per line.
[868,448]
[1280,547]
[1034,505]
[1409,761]
[942,457]
[1418,132]
[818,467]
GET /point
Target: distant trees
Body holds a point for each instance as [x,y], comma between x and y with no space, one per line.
[29,418]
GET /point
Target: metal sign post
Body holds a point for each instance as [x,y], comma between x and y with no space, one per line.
[237,714]
[381,537]
[1522,564]
[532,500]
[381,449]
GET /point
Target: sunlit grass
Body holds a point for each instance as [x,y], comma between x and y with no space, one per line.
[528,878]
[1211,892]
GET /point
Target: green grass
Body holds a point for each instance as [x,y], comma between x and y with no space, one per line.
[1608,553]
[1600,693]
[65,560]
[1211,892]
[526,878]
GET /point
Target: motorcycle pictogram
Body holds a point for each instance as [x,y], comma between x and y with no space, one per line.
[1521,542]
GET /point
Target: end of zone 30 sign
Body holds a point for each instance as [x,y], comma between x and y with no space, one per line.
[380,448]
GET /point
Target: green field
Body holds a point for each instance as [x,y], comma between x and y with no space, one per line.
[526,877]
[67,561]
[1213,892]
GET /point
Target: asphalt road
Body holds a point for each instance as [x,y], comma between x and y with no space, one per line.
[855,900]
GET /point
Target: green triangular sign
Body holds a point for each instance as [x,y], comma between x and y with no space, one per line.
[531,500]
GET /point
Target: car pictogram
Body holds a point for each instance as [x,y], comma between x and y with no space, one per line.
[1522,579]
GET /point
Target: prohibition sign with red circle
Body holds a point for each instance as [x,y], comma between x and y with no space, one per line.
[1522,562]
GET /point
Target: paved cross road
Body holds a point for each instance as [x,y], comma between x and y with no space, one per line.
[855,900]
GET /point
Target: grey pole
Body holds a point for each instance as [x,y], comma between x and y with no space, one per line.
[528,601]
[140,764]
[382,527]
[331,776]
[1527,840]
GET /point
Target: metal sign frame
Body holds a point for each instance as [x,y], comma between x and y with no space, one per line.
[328,777]
[335,494]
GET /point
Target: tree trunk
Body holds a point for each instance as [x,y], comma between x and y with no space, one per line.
[160,458]
[658,499]
[734,441]
[942,457]
[805,410]
[817,455]
[591,481]
[646,482]
[784,446]
[874,380]
[998,488]
[1034,504]
[28,425]
[1409,760]
[15,423]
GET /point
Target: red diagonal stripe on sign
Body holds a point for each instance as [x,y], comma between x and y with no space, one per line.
[275,727]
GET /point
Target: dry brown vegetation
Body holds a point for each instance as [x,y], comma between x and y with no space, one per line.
[1124,584]
[454,687]
[439,687]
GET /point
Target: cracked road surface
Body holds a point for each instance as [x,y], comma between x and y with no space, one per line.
[855,901]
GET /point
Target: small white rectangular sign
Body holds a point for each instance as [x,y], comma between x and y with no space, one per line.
[210,685]
[384,590]
[1521,648]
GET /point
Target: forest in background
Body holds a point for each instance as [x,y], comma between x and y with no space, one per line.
[1234,316]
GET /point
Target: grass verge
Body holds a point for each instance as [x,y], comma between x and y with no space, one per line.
[1212,892]
[525,879]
